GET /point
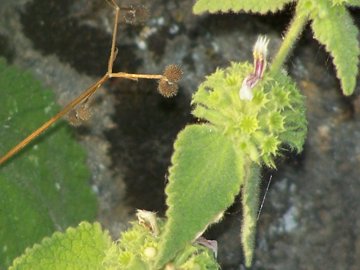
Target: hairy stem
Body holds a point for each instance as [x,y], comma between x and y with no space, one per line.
[296,27]
[250,204]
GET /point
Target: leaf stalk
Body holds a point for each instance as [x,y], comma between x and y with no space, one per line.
[296,27]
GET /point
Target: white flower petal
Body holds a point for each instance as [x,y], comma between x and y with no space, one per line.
[246,92]
[261,47]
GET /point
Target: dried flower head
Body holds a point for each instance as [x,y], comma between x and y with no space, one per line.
[148,220]
[260,53]
[168,86]
[135,14]
[79,115]
[173,73]
[211,244]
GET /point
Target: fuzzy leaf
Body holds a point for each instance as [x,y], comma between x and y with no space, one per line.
[214,6]
[250,204]
[205,176]
[355,3]
[83,247]
[44,188]
[333,27]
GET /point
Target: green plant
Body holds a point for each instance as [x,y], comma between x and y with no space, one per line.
[89,247]
[29,201]
[330,21]
[78,248]
[212,161]
[247,128]
[249,115]
[45,190]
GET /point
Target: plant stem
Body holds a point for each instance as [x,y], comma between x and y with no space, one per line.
[86,94]
[294,31]
[250,204]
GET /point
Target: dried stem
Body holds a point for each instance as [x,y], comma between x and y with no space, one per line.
[86,93]
[113,41]
[136,76]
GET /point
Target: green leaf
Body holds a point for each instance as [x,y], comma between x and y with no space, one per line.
[355,3]
[333,27]
[138,246]
[262,7]
[83,247]
[347,2]
[205,176]
[45,187]
[250,203]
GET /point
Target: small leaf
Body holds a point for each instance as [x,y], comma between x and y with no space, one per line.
[45,187]
[254,6]
[83,247]
[250,204]
[334,27]
[204,179]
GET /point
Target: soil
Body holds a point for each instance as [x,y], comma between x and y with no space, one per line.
[311,214]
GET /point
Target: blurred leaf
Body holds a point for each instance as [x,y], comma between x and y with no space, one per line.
[45,187]
[347,2]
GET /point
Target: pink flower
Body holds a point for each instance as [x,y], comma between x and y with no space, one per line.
[260,53]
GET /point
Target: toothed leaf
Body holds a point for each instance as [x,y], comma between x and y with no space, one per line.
[334,28]
[205,176]
[254,6]
[83,247]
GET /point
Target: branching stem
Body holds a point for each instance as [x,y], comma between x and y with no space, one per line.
[86,94]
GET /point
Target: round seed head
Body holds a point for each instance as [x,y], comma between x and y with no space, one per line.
[73,119]
[142,14]
[84,113]
[79,115]
[173,73]
[167,88]
[135,14]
